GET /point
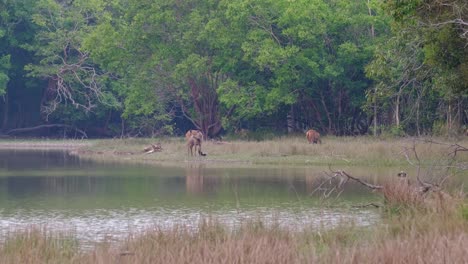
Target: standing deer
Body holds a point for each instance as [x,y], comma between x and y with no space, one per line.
[313,136]
[194,139]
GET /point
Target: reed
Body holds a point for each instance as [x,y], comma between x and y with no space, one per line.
[419,237]
[38,245]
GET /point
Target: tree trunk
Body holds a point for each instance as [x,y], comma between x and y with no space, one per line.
[449,117]
[5,112]
[418,103]
[375,113]
[397,111]
[325,108]
[318,116]
[372,33]
[206,105]
[372,30]
[338,125]
[290,120]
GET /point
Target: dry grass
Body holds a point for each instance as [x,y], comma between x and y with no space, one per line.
[430,247]
[38,245]
[212,244]
[285,150]
[420,237]
[401,196]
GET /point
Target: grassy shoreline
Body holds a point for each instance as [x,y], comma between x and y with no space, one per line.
[41,144]
[284,151]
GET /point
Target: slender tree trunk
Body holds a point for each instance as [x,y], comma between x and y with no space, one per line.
[372,34]
[417,116]
[375,113]
[449,117]
[340,110]
[325,108]
[5,112]
[290,120]
[122,128]
[318,116]
[397,111]
[459,113]
[372,30]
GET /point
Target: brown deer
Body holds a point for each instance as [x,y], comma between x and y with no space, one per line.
[194,139]
[194,132]
[313,137]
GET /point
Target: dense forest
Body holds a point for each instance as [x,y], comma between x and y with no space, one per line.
[119,68]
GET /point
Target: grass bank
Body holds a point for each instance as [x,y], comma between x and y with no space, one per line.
[292,151]
[44,144]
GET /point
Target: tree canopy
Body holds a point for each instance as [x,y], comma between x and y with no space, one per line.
[153,67]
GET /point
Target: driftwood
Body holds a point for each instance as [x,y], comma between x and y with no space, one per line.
[402,192]
[344,175]
[423,187]
[152,148]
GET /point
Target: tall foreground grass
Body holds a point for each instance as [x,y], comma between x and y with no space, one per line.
[436,236]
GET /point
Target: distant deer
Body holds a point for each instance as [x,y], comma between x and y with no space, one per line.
[313,136]
[194,139]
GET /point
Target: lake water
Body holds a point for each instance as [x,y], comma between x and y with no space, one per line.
[97,201]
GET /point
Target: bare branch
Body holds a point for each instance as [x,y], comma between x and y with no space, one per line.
[342,173]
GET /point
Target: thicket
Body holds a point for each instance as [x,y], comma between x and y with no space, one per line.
[103,68]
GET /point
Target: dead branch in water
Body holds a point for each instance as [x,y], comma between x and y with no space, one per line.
[423,187]
[452,150]
[344,175]
[417,193]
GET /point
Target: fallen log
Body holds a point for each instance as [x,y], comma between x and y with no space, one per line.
[152,148]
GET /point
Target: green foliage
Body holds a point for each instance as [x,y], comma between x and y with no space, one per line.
[215,64]
[424,62]
[5,65]
[397,131]
[73,77]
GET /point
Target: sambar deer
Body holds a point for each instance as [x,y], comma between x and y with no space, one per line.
[313,136]
[194,139]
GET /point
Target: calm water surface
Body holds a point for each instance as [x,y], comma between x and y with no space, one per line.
[110,201]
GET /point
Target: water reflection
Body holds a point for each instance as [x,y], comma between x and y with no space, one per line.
[101,201]
[194,179]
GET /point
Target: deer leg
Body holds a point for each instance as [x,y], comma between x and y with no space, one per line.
[189,149]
